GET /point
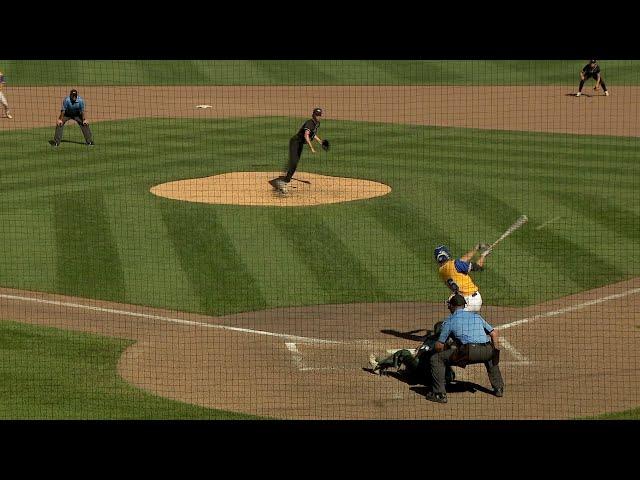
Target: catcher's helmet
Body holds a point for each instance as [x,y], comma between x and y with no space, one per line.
[441,253]
[456,300]
[437,328]
[317,112]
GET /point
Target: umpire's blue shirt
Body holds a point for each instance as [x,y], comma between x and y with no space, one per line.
[73,109]
[466,327]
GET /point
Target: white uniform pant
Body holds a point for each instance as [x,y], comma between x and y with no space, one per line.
[3,101]
[474,302]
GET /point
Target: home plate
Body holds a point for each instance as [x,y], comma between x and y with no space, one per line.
[204,106]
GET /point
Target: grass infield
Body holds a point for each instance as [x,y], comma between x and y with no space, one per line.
[81,221]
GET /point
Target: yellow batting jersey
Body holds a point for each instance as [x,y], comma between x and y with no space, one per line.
[455,273]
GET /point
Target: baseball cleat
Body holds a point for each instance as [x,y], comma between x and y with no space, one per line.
[90,144]
[578,94]
[436,397]
[373,362]
[9,115]
[53,143]
[607,93]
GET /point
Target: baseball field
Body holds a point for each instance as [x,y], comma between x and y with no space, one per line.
[157,275]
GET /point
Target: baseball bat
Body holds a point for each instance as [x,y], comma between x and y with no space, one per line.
[517,224]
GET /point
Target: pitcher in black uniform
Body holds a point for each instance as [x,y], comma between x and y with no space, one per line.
[307,133]
[592,70]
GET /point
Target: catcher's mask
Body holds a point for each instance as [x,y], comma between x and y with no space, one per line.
[441,254]
[73,93]
[317,112]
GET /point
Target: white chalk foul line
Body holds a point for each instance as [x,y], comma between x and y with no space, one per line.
[569,309]
[520,358]
[296,356]
[179,321]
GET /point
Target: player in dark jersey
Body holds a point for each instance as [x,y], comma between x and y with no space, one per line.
[592,70]
[306,134]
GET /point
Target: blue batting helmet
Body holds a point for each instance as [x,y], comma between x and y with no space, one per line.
[441,253]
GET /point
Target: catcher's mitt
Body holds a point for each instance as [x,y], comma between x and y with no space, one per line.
[325,145]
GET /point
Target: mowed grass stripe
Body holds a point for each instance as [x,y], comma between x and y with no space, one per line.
[88,264]
[269,256]
[28,239]
[149,261]
[576,262]
[217,271]
[342,276]
[600,209]
[134,155]
[381,252]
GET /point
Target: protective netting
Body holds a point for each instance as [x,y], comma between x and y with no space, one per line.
[199,260]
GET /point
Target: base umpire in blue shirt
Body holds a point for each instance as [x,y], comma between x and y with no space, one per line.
[477,342]
[72,109]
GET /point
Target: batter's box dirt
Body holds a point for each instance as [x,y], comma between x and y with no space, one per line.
[318,357]
[307,357]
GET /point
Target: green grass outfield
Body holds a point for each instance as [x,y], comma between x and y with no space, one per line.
[312,72]
[81,221]
[46,374]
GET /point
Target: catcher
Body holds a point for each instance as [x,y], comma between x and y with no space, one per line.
[413,364]
[306,133]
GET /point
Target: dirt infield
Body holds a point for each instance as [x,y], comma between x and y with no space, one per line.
[306,362]
[526,108]
[253,188]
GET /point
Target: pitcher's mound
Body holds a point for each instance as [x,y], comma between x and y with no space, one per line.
[253,188]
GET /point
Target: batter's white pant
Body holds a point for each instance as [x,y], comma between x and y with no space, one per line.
[3,101]
[474,302]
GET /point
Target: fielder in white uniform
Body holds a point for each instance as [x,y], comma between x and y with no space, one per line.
[3,99]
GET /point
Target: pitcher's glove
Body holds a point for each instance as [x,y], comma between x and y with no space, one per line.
[325,145]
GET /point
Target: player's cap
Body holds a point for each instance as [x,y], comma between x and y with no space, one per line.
[441,253]
[73,93]
[317,112]
[592,61]
[456,300]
